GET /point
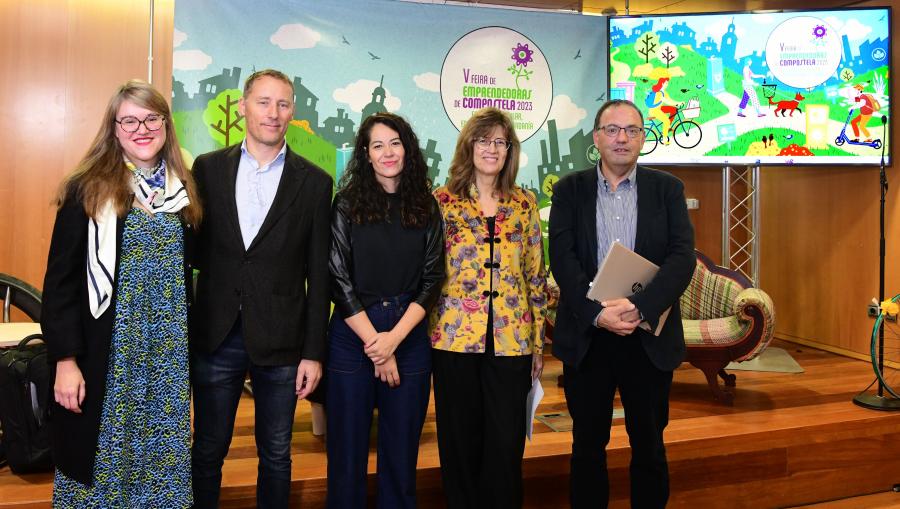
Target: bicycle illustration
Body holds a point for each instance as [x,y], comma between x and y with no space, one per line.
[685,132]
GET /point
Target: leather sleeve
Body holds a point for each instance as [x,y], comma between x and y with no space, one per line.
[433,267]
[340,261]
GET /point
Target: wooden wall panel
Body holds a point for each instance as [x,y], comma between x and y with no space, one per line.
[32,120]
[819,251]
[59,63]
[704,184]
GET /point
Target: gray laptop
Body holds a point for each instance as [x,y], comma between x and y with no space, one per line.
[622,274]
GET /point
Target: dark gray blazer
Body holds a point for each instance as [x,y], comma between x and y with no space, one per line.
[280,284]
[664,236]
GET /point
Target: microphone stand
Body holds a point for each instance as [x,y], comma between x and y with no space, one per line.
[879,401]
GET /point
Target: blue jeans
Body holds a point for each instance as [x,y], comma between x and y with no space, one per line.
[353,392]
[218,380]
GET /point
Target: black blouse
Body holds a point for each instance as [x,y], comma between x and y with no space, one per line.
[376,260]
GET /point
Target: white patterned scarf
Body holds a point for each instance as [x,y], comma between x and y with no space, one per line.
[101,260]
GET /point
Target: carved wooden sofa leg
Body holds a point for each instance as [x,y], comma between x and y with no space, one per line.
[729,379]
[712,370]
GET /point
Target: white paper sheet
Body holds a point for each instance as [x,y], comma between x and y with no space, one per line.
[535,395]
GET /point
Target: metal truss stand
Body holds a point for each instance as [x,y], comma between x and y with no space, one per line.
[740,220]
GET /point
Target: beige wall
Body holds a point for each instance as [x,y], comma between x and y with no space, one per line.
[61,60]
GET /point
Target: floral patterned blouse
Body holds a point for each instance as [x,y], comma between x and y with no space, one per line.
[458,322]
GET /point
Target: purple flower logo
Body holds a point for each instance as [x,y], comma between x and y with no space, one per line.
[522,55]
[820,31]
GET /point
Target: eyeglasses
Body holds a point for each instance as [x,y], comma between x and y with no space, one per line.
[132,124]
[501,144]
[612,130]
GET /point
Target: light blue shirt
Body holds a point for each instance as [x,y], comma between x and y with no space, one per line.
[255,190]
[616,213]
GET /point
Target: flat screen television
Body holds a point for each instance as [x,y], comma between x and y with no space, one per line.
[746,88]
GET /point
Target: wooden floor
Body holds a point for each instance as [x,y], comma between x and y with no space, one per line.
[789,440]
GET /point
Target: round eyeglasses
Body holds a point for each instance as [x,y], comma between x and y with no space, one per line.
[132,124]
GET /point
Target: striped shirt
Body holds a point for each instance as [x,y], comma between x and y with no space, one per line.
[616,213]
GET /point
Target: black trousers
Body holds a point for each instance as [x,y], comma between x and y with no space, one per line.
[480,412]
[618,362]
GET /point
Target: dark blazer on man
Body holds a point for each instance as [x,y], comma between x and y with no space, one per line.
[664,236]
[280,283]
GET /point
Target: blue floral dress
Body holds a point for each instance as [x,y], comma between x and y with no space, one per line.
[143,450]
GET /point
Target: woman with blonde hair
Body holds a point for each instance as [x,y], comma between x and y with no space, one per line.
[487,329]
[114,315]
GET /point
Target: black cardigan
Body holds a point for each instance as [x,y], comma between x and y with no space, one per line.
[70,330]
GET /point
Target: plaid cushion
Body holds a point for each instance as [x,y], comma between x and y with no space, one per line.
[759,298]
[709,295]
[716,331]
[713,310]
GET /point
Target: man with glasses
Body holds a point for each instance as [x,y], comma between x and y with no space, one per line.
[263,292]
[600,344]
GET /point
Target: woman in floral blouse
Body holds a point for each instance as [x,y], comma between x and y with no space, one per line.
[487,329]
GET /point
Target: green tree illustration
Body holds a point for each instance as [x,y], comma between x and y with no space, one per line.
[847,75]
[646,45]
[222,118]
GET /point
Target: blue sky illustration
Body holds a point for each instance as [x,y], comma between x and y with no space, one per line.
[330,46]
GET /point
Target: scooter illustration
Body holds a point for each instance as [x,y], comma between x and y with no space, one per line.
[842,138]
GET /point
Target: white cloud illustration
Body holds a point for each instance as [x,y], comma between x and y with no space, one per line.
[178,37]
[523,159]
[190,60]
[428,81]
[359,93]
[852,28]
[295,36]
[566,113]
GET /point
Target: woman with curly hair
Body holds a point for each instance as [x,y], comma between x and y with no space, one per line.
[114,315]
[387,264]
[487,329]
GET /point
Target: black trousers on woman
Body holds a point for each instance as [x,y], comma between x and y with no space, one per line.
[480,413]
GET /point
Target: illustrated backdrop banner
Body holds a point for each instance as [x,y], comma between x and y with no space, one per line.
[800,87]
[433,64]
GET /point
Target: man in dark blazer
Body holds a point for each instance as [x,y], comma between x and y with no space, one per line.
[263,290]
[600,344]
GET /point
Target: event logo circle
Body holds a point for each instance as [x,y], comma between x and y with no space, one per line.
[499,67]
[803,52]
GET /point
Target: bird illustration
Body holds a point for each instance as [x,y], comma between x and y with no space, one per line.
[602,96]
[577,55]
[699,86]
[374,56]
[345,41]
